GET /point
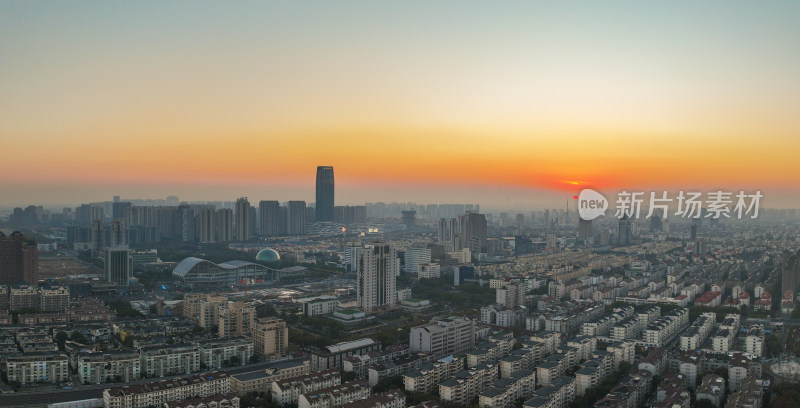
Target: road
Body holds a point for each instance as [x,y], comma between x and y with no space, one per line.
[34,397]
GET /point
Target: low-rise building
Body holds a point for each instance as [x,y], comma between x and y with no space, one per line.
[218,353]
[30,368]
[159,393]
[335,396]
[466,385]
[109,366]
[712,389]
[160,361]
[289,390]
[427,378]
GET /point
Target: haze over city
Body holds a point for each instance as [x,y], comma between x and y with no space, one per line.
[506,105]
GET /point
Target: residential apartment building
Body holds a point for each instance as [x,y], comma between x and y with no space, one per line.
[226,352]
[466,385]
[109,366]
[270,337]
[160,361]
[427,378]
[159,393]
[444,336]
[289,390]
[335,396]
[45,366]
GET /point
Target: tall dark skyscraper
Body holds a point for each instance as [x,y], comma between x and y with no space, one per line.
[324,193]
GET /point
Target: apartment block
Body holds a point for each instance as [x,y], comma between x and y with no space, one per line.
[427,378]
[335,396]
[109,366]
[161,393]
[289,390]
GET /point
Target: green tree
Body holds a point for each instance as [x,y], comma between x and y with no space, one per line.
[77,337]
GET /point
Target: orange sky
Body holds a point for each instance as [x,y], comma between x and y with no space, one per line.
[473,103]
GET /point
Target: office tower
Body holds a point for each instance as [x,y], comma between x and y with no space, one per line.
[19,259]
[584,229]
[473,231]
[376,267]
[269,213]
[624,230]
[225,225]
[118,265]
[205,225]
[118,233]
[243,221]
[324,204]
[296,218]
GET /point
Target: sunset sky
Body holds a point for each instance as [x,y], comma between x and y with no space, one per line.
[485,102]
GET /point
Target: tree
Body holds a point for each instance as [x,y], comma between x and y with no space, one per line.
[722,372]
[77,337]
[61,338]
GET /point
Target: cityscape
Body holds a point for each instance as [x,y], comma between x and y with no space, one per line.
[416,205]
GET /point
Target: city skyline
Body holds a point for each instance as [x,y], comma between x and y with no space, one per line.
[437,103]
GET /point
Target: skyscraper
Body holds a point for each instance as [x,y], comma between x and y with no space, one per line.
[19,259]
[324,204]
[118,265]
[243,221]
[377,266]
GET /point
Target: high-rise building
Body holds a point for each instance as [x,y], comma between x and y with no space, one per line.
[118,233]
[270,337]
[118,265]
[206,230]
[325,190]
[377,266]
[98,236]
[296,218]
[243,220]
[19,259]
[624,237]
[584,229]
[473,231]
[121,210]
[269,212]
[225,225]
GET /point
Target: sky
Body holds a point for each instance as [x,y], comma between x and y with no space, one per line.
[498,103]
